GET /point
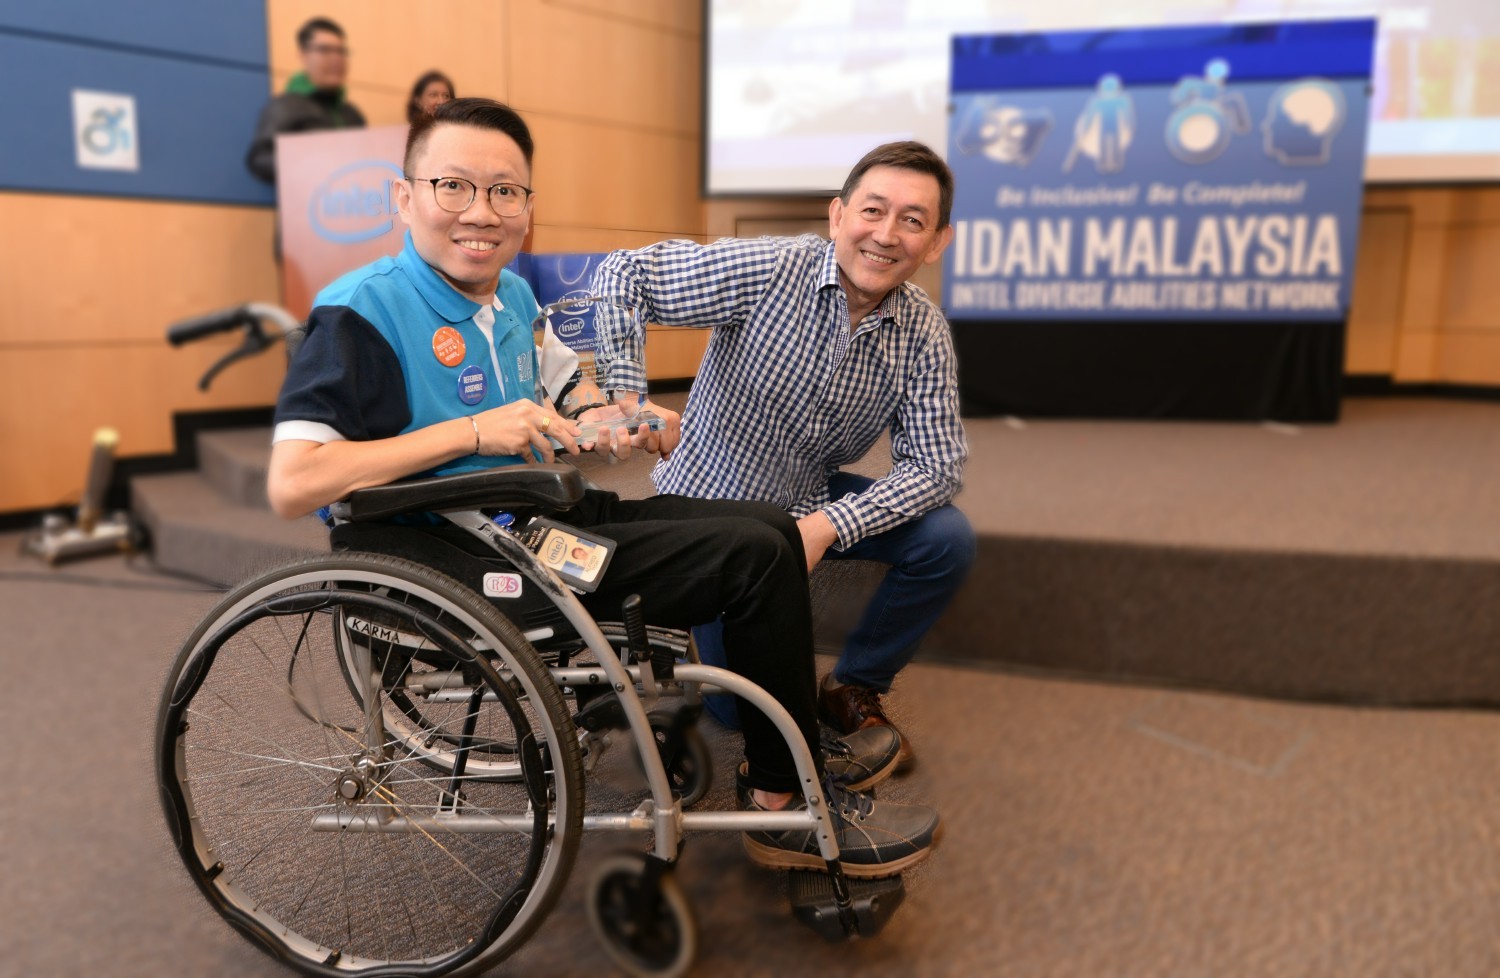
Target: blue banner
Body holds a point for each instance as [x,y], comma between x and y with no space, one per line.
[555,277]
[1176,173]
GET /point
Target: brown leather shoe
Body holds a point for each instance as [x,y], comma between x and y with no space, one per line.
[851,708]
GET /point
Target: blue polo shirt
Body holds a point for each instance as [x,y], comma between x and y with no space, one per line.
[392,348]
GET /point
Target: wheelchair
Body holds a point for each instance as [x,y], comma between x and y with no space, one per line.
[368,769]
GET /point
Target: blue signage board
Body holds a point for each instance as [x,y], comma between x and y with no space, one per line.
[559,277]
[155,100]
[1161,174]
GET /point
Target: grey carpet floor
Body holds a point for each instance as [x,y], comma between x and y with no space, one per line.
[1091,830]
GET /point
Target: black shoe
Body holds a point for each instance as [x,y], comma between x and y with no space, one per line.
[862,759]
[875,838]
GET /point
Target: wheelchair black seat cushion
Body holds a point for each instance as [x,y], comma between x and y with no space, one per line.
[547,487]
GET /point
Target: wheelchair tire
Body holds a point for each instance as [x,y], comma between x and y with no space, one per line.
[647,939]
[284,793]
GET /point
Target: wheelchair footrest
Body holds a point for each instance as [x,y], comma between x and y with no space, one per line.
[814,904]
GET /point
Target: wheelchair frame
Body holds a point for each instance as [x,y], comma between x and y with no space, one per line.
[638,679]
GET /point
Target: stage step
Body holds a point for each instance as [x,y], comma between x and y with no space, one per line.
[234,461]
[196,531]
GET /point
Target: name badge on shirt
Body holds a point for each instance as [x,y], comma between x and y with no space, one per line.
[448,346]
[471,385]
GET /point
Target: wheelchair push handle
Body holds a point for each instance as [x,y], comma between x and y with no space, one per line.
[250,316]
[207,325]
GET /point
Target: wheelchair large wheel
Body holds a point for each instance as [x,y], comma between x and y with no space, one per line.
[311,827]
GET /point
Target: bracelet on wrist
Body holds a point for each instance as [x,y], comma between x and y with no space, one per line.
[475,425]
[573,414]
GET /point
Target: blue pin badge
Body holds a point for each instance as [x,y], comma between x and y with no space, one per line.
[471,385]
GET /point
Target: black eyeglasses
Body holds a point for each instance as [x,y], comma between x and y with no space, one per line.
[455,194]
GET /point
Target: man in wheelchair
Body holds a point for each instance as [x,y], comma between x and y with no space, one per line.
[424,364]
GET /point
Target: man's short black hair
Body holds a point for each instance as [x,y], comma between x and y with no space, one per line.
[306,31]
[908,155]
[481,113]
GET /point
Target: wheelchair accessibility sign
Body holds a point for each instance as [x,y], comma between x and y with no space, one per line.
[104,131]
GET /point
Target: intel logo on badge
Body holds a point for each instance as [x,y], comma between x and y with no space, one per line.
[354,204]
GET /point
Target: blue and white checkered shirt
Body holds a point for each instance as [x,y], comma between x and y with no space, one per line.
[785,395]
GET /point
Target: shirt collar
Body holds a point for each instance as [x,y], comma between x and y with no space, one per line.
[444,299]
[828,275]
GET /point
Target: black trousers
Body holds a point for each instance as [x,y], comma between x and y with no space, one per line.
[691,561]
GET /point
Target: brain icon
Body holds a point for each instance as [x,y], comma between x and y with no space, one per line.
[1313,107]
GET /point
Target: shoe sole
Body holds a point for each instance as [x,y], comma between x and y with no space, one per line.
[906,759]
[772,858]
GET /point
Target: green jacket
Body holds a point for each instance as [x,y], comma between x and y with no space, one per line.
[301,108]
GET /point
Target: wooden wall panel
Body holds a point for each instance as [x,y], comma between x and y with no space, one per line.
[591,176]
[52,400]
[393,42]
[1471,300]
[132,266]
[1375,313]
[681,16]
[82,339]
[608,72]
[1469,357]
[553,238]
[722,218]
[674,353]
[1416,356]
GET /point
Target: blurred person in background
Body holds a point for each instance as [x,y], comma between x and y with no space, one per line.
[818,348]
[430,91]
[314,98]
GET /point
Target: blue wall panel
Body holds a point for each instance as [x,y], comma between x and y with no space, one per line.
[221,30]
[195,113]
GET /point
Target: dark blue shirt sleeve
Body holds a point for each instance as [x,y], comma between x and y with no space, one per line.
[347,376]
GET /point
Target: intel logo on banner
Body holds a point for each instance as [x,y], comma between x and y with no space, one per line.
[354,204]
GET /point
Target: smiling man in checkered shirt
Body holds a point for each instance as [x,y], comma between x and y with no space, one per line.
[818,348]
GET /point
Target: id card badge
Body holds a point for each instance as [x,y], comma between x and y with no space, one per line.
[577,557]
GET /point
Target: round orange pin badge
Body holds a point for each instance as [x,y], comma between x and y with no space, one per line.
[448,346]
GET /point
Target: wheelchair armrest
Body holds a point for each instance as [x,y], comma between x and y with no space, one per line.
[551,487]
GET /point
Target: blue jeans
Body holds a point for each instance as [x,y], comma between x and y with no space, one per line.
[929,558]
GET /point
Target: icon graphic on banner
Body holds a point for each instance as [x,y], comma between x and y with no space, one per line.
[1105,127]
[1301,120]
[1206,116]
[104,131]
[1004,133]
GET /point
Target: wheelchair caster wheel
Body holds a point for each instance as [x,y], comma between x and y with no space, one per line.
[641,917]
[685,755]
